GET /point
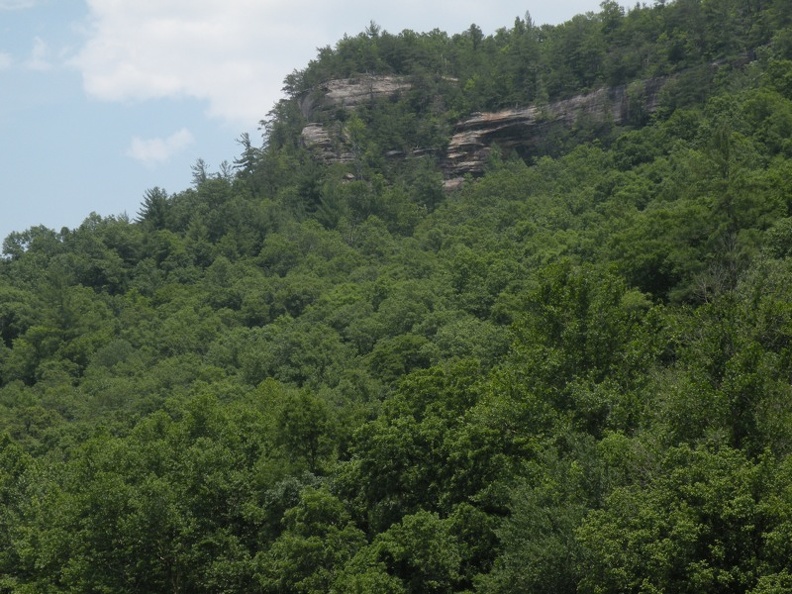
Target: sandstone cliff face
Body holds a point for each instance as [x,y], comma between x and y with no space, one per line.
[473,138]
[522,128]
[348,93]
[329,150]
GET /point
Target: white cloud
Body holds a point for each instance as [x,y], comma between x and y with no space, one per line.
[5,61]
[234,54]
[39,55]
[227,52]
[153,151]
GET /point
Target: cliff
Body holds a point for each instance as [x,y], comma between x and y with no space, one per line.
[520,129]
[348,93]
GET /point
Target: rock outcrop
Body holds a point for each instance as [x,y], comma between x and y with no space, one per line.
[349,93]
[520,129]
[317,138]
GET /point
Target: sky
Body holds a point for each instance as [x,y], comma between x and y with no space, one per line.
[101,100]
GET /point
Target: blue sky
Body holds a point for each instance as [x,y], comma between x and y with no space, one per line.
[101,100]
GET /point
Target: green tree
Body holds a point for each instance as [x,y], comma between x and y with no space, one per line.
[319,538]
[693,527]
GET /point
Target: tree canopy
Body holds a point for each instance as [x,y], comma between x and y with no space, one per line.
[569,374]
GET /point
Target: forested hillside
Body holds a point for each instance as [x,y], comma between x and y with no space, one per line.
[573,373]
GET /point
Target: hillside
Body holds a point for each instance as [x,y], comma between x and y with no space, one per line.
[491,314]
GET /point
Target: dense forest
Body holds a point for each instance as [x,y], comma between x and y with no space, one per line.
[571,374]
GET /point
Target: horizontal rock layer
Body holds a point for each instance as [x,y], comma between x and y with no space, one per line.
[473,138]
[348,93]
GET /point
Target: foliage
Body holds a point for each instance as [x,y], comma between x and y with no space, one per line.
[571,374]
